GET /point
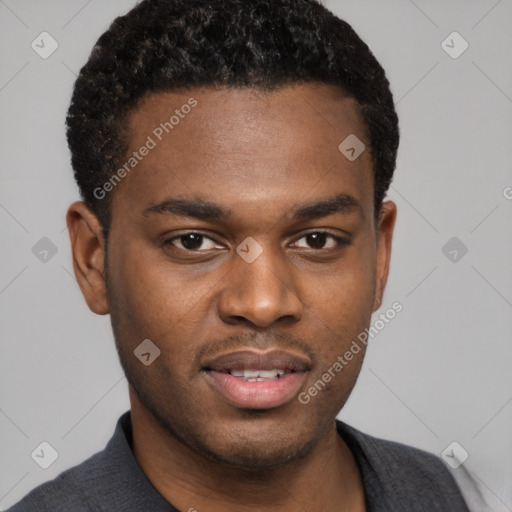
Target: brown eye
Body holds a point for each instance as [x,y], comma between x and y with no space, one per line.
[322,240]
[191,242]
[316,240]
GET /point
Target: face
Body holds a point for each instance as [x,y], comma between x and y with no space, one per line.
[244,246]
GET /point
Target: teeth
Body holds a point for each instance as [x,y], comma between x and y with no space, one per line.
[258,375]
[268,374]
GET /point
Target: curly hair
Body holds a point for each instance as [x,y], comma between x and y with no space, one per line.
[163,45]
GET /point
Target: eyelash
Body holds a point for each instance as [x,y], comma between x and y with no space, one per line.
[341,242]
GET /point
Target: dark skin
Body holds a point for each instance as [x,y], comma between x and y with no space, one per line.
[261,156]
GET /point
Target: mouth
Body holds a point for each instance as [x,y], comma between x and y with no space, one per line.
[259,375]
[255,380]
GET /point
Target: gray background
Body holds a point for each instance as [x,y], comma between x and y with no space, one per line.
[439,372]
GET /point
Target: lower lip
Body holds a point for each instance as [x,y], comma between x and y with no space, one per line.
[256,395]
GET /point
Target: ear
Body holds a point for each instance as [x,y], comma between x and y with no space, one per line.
[88,251]
[385,228]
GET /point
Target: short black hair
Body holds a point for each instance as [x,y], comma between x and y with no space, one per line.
[163,45]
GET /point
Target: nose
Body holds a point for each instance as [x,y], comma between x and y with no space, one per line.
[260,293]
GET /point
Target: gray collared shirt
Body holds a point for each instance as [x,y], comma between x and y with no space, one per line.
[396,478]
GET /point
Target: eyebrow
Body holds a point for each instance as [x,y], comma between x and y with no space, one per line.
[197,208]
[342,203]
[203,209]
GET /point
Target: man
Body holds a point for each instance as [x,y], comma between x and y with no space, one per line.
[233,157]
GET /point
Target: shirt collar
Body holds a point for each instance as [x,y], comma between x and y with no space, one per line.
[119,472]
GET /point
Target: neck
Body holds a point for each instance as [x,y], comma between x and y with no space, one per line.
[326,479]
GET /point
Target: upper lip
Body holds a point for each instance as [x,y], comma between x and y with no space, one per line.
[252,360]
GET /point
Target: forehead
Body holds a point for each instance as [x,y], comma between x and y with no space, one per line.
[245,146]
[323,107]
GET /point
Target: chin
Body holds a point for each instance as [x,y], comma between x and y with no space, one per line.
[254,456]
[244,439]
[255,446]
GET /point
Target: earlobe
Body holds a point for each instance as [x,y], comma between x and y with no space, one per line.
[88,251]
[385,228]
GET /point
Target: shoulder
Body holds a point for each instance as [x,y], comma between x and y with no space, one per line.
[391,456]
[403,475]
[79,488]
[68,491]
[110,480]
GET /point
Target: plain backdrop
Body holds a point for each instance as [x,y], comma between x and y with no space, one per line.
[439,372]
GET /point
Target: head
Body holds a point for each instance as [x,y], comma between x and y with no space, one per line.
[221,214]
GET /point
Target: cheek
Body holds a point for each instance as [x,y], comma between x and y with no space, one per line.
[144,298]
[340,306]
[343,313]
[150,298]
[343,297]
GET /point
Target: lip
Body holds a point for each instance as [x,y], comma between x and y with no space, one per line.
[260,394]
[251,359]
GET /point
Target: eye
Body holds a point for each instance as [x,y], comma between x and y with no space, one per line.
[191,242]
[322,240]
